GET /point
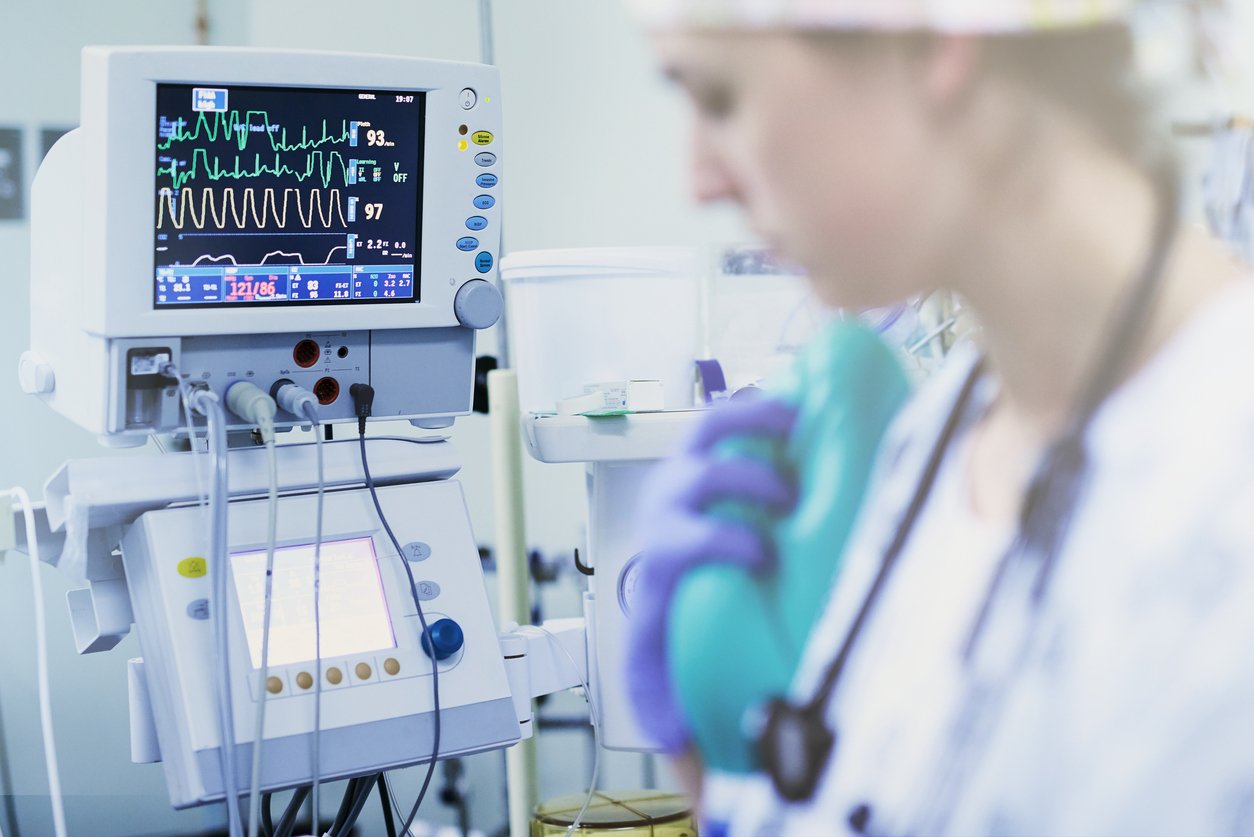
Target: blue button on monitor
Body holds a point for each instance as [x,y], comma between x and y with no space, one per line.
[443,639]
[485,159]
[476,223]
[485,202]
[467,244]
[483,262]
[486,181]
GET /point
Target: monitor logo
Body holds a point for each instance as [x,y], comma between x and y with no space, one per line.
[208,98]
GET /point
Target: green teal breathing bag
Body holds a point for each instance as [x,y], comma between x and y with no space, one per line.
[735,637]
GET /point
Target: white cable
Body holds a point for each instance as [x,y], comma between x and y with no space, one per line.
[596,731]
[254,794]
[41,651]
[246,400]
[209,405]
[311,410]
[171,370]
[193,446]
[925,341]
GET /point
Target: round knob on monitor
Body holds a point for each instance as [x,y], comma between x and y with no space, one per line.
[447,638]
[478,304]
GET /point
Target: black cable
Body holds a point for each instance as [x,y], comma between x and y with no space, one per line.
[288,821]
[267,817]
[365,789]
[363,400]
[350,794]
[388,822]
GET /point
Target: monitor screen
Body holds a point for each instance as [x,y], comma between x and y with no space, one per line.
[287,196]
[352,606]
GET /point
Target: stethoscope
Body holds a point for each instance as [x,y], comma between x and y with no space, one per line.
[795,744]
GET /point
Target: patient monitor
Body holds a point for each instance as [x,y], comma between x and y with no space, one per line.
[327,219]
[324,219]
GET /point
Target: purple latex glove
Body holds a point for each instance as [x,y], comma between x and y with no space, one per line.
[680,535]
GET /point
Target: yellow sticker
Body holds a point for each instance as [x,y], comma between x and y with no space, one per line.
[481,137]
[193,568]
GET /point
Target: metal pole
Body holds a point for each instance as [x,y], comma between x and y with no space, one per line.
[521,773]
[487,46]
[487,54]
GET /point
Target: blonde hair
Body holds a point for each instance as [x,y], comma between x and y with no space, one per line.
[1089,73]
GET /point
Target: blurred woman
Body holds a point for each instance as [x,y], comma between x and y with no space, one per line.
[1040,623]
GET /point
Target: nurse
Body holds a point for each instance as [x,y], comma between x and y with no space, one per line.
[1043,618]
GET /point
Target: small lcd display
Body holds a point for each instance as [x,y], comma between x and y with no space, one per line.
[272,196]
[353,608]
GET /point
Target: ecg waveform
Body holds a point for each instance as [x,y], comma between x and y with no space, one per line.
[229,126]
[220,207]
[298,256]
[317,164]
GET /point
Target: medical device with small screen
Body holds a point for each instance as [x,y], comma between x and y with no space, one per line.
[376,694]
[287,196]
[318,218]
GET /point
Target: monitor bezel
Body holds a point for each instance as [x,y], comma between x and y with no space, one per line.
[119,183]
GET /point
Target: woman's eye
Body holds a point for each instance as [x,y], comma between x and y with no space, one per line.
[714,103]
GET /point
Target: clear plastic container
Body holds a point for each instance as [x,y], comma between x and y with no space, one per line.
[578,317]
[759,314]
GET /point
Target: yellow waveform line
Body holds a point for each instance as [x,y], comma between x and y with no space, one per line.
[207,208]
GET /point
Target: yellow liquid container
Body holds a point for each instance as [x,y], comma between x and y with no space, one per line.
[625,813]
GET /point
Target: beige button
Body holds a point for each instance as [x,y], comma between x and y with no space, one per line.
[304,680]
[391,666]
[335,676]
[274,685]
[363,671]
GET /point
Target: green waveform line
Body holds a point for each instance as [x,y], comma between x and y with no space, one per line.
[318,164]
[228,126]
[221,205]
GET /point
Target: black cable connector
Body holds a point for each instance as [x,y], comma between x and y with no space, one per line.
[363,403]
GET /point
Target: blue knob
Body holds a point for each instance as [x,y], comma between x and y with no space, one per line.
[447,637]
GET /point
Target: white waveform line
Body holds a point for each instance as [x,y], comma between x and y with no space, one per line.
[241,210]
[216,259]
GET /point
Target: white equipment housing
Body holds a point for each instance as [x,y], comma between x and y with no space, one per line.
[620,455]
[377,708]
[98,325]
